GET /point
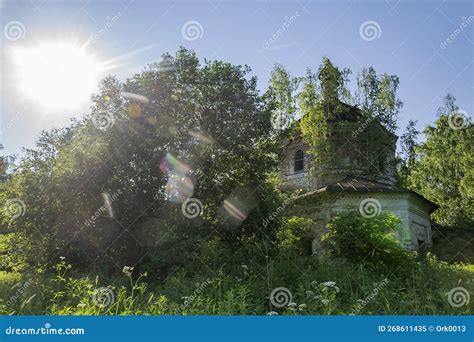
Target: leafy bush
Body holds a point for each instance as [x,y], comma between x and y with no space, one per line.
[9,260]
[294,235]
[365,240]
[205,134]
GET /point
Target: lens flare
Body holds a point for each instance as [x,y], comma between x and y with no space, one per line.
[171,164]
[236,207]
[179,186]
[234,210]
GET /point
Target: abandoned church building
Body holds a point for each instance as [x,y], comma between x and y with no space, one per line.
[357,175]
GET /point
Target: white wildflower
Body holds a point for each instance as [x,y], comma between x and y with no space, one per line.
[329,283]
[127,270]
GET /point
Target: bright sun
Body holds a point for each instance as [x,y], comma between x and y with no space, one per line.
[58,75]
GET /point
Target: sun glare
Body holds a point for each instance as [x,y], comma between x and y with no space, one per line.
[57,75]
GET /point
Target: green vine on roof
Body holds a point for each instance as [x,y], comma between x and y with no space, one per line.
[317,109]
[324,104]
[314,126]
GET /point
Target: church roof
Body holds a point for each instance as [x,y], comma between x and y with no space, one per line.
[346,113]
[349,113]
[359,184]
[356,184]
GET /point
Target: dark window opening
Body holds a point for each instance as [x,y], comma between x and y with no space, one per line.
[299,161]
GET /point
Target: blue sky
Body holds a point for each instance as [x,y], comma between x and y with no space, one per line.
[410,41]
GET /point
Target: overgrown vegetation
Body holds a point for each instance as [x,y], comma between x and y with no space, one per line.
[243,287]
[102,227]
[442,168]
[366,240]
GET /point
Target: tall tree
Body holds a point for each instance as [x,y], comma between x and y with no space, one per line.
[377,95]
[320,102]
[409,142]
[282,88]
[443,172]
[113,186]
[4,161]
[313,125]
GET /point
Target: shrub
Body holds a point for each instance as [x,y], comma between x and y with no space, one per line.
[365,240]
[294,235]
[9,261]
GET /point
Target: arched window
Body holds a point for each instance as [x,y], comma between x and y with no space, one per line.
[299,161]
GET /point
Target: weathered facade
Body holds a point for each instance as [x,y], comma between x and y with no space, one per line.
[353,178]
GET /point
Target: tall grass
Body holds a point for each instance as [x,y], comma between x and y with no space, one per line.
[316,288]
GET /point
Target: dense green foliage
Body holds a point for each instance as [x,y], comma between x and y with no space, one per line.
[408,142]
[293,236]
[377,95]
[108,190]
[318,108]
[443,168]
[4,163]
[314,126]
[282,89]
